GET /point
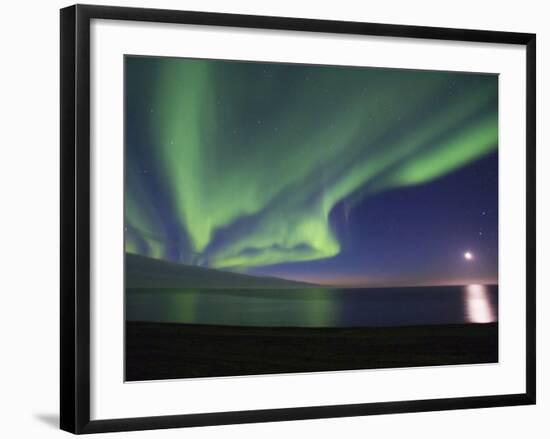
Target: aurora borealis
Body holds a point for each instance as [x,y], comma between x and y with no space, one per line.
[323,173]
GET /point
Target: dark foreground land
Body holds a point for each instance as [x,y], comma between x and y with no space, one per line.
[166,350]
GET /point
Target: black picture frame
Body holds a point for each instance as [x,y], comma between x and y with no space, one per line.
[75,217]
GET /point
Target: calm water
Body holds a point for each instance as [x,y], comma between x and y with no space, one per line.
[316,307]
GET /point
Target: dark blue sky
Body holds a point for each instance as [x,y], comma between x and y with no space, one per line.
[337,175]
[415,235]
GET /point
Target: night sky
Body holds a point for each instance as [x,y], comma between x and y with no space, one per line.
[334,175]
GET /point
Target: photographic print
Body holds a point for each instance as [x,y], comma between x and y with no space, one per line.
[287,218]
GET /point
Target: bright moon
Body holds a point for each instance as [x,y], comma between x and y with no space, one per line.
[468,256]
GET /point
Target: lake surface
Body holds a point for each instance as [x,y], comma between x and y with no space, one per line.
[316,307]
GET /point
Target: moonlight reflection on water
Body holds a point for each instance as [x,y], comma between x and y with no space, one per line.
[479,308]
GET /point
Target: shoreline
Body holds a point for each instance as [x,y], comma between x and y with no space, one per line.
[176,350]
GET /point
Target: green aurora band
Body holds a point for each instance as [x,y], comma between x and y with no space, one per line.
[252,157]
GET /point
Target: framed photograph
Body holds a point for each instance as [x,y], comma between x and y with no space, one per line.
[268,218]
